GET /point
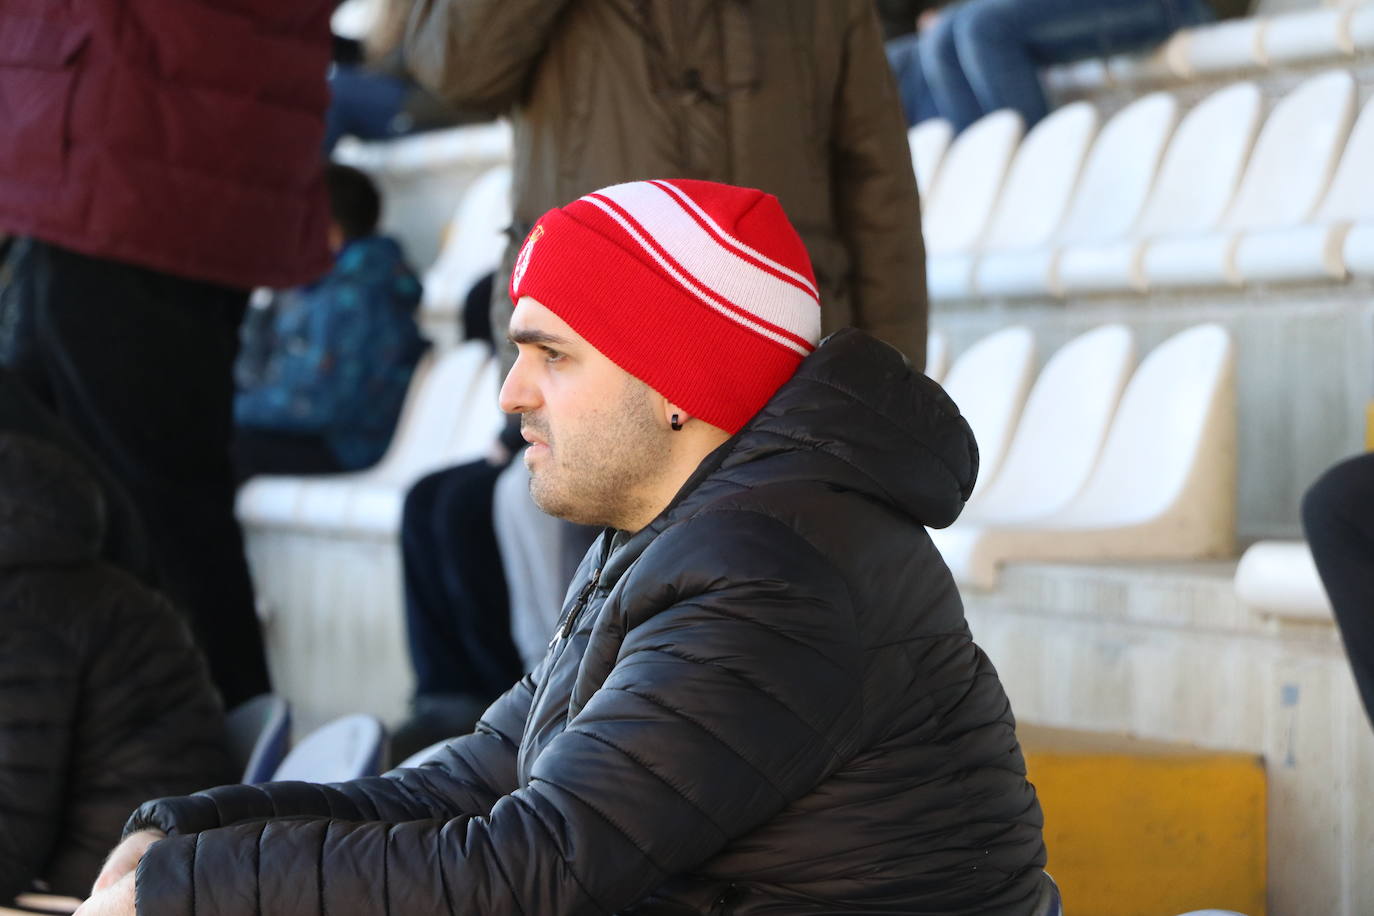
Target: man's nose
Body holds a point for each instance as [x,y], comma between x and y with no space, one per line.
[517,395]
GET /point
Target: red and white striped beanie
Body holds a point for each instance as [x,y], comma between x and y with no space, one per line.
[703,291]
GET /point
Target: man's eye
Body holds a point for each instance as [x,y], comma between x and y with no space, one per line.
[551,356]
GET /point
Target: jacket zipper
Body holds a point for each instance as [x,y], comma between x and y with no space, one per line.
[724,904]
[574,614]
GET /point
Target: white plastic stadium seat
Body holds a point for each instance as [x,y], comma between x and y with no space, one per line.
[1236,44]
[269,499]
[1079,77]
[1062,428]
[1360,28]
[988,383]
[346,748]
[450,415]
[330,577]
[1115,183]
[970,179]
[937,355]
[1308,35]
[377,508]
[476,239]
[1164,62]
[1164,485]
[281,501]
[1057,442]
[1289,170]
[1196,183]
[1034,197]
[1280,577]
[456,418]
[1314,250]
[259,731]
[929,141]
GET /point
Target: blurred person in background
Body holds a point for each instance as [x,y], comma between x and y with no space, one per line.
[979,56]
[457,615]
[1338,518]
[124,543]
[343,351]
[903,21]
[372,96]
[104,697]
[158,160]
[793,97]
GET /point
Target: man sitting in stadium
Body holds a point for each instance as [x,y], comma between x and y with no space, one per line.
[763,695]
[344,349]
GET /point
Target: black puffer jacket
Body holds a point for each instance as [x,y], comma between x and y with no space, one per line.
[767,701]
[103,698]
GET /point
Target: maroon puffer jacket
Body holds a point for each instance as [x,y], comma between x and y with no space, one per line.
[179,135]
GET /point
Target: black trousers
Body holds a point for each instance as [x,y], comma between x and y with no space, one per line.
[1338,515]
[457,607]
[139,365]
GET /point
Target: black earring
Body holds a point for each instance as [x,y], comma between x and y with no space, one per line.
[676,423]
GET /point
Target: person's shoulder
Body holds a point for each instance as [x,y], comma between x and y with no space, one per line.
[84,607]
[753,535]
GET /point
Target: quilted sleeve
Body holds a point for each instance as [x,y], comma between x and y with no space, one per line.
[38,701]
[466,778]
[478,54]
[736,692]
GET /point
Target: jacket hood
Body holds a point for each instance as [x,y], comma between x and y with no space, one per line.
[854,415]
[51,511]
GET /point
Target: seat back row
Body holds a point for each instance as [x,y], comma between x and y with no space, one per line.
[450,416]
[1097,458]
[1151,200]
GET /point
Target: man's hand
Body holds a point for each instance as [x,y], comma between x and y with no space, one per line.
[115,900]
[124,860]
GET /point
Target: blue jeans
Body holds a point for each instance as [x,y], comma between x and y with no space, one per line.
[983,55]
[365,105]
[904,57]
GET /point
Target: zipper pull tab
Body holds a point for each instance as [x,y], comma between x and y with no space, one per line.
[566,630]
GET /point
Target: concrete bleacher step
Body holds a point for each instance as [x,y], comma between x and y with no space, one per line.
[1149,827]
[1169,652]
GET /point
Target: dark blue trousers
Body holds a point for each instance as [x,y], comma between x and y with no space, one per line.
[457,609]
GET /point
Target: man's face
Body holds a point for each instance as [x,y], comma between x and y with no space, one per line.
[597,445]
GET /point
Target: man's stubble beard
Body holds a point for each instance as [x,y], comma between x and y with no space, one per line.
[602,472]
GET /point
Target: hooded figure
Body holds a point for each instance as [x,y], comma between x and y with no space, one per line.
[104,699]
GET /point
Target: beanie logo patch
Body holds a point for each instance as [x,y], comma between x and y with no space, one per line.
[522,263]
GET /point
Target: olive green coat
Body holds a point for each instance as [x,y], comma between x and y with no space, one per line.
[790,96]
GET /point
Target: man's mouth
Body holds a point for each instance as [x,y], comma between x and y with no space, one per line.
[533,438]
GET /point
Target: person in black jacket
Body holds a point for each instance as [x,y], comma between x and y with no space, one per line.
[762,696]
[104,699]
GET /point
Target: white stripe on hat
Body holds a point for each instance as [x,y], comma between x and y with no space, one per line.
[712,265]
[691,286]
[729,239]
